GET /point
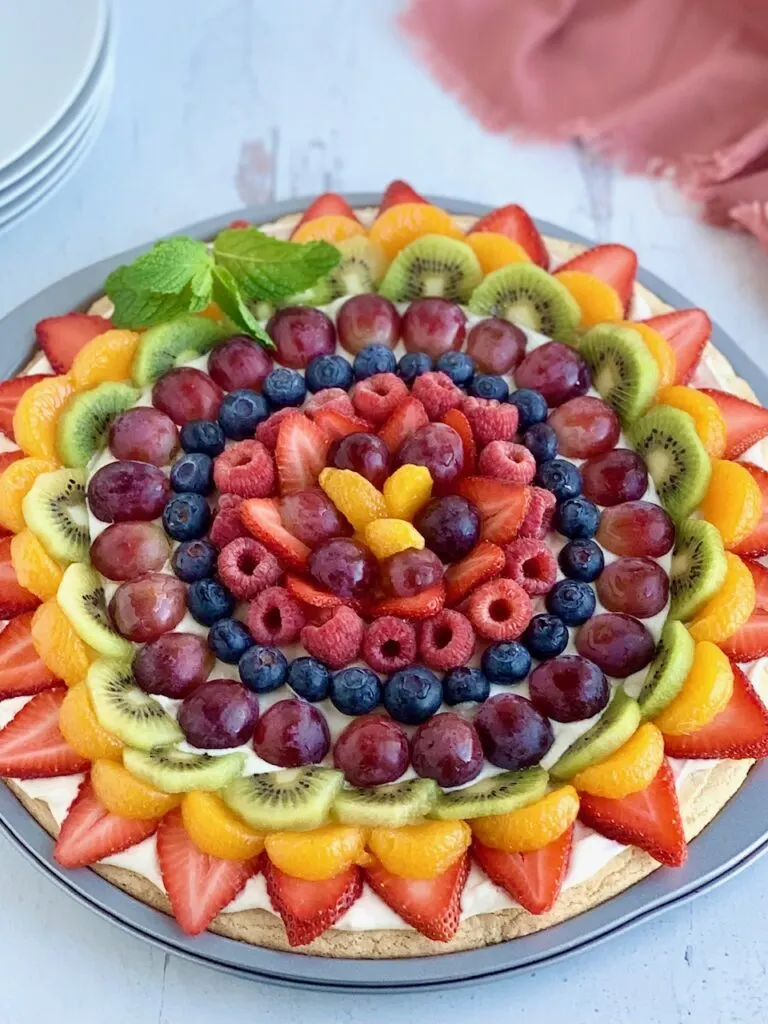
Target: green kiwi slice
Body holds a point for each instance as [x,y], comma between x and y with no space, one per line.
[293,798]
[85,421]
[623,370]
[160,346]
[81,598]
[179,771]
[432,266]
[399,803]
[668,671]
[615,726]
[55,511]
[496,794]
[529,296]
[698,567]
[127,711]
[676,459]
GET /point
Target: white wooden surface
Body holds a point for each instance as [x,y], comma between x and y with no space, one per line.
[225,102]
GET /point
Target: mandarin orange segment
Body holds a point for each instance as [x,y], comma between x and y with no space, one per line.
[81,728]
[422,851]
[354,496]
[107,357]
[59,646]
[124,794]
[15,481]
[34,422]
[387,537]
[725,613]
[331,228]
[402,224]
[629,770]
[494,250]
[35,569]
[530,828]
[407,490]
[314,856]
[215,830]
[706,416]
[733,502]
[661,351]
[706,691]
[598,302]
[211,312]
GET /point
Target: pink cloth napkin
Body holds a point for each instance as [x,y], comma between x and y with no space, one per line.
[672,87]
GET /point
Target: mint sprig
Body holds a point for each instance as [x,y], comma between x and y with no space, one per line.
[267,269]
[227,297]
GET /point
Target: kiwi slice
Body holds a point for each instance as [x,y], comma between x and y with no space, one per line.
[55,511]
[81,598]
[698,567]
[496,794]
[669,669]
[676,459]
[293,798]
[623,370]
[615,726]
[159,346]
[432,265]
[360,269]
[178,771]
[127,711]
[320,294]
[399,803]
[84,422]
[529,296]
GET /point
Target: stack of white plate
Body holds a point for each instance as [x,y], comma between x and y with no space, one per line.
[56,77]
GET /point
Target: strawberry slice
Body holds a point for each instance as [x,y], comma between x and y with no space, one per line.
[198,885]
[398,192]
[62,337]
[756,543]
[10,393]
[614,264]
[409,416]
[749,642]
[745,422]
[31,745]
[760,576]
[299,454]
[423,606]
[335,424]
[484,562]
[261,517]
[515,223]
[308,593]
[740,730]
[329,204]
[455,418]
[310,908]
[432,906]
[14,599]
[649,819]
[687,331]
[534,880]
[90,832]
[22,671]
[502,506]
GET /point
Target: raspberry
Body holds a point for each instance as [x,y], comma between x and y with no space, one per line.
[228,501]
[389,644]
[246,468]
[500,610]
[338,641]
[446,641]
[329,398]
[507,461]
[227,525]
[538,518]
[531,564]
[275,617]
[490,420]
[377,397]
[268,429]
[246,568]
[437,393]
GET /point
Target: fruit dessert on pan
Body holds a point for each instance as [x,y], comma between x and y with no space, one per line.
[379,581]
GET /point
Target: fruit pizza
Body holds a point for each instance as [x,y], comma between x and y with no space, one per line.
[380,582]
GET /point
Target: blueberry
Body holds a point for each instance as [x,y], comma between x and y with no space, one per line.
[194,560]
[489,385]
[560,477]
[284,388]
[506,662]
[546,636]
[541,442]
[328,372]
[413,694]
[193,474]
[186,517]
[412,365]
[263,668]
[242,411]
[465,684]
[459,366]
[208,601]
[309,678]
[355,691]
[577,518]
[229,640]
[571,600]
[581,560]
[202,436]
[373,359]
[531,407]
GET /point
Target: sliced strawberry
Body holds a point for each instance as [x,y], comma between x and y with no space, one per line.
[534,880]
[484,562]
[614,264]
[760,576]
[308,593]
[432,906]
[22,671]
[687,331]
[10,393]
[198,885]
[740,730]
[745,422]
[649,819]
[335,424]
[90,832]
[515,223]
[62,337]
[14,599]
[756,543]
[398,192]
[422,606]
[310,908]
[31,745]
[455,418]
[409,416]
[502,506]
[261,516]
[299,454]
[749,642]
[238,224]
[329,204]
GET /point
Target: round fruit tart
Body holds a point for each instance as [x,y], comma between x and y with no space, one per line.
[373,588]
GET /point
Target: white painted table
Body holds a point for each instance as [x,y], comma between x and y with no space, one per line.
[220,103]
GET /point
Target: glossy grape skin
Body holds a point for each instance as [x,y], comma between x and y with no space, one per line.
[614,477]
[173,665]
[450,526]
[291,733]
[344,567]
[568,689]
[410,572]
[123,491]
[496,345]
[512,732]
[144,435]
[239,363]
[433,326]
[365,454]
[438,447]
[556,371]
[187,394]
[126,550]
[371,751]
[145,608]
[636,528]
[219,714]
[618,644]
[447,749]
[585,426]
[300,334]
[367,320]
[634,586]
[312,517]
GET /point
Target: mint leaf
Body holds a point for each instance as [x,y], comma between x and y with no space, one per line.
[137,310]
[229,300]
[170,266]
[269,269]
